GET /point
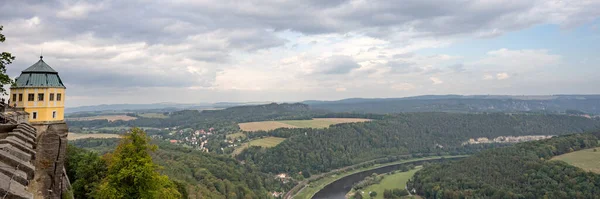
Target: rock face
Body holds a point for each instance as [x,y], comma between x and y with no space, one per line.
[17,152]
[32,156]
[49,163]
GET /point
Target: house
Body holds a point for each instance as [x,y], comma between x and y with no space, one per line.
[173,141]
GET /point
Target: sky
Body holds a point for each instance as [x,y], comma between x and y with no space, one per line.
[204,51]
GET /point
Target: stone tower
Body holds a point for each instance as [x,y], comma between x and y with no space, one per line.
[40,91]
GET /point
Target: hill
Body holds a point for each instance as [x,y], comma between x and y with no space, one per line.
[520,171]
[207,175]
[458,103]
[320,150]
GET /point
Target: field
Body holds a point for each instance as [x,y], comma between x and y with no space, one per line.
[103,117]
[236,135]
[76,136]
[397,180]
[264,142]
[586,159]
[153,115]
[314,123]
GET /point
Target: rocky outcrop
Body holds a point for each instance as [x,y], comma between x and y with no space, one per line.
[51,151]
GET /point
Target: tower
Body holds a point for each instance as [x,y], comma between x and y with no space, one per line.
[40,92]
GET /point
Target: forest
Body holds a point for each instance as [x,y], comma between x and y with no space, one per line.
[321,150]
[194,172]
[520,171]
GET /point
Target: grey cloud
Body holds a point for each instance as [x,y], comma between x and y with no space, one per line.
[403,67]
[162,22]
[457,68]
[337,65]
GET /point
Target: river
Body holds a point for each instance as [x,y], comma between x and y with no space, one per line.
[339,188]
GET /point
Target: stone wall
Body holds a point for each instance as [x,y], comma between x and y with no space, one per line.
[17,152]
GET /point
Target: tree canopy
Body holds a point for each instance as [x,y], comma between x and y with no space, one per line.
[131,172]
[520,171]
[5,59]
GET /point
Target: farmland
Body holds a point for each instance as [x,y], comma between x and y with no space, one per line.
[587,159]
[314,123]
[110,118]
[264,142]
[153,115]
[76,136]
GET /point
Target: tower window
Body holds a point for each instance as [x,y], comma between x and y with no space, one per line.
[53,114]
[34,115]
[40,96]
[58,96]
[20,97]
[14,99]
[30,97]
[51,96]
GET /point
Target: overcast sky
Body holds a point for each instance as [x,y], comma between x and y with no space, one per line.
[194,51]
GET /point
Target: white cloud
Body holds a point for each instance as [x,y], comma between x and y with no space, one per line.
[502,76]
[403,86]
[436,80]
[488,77]
[341,89]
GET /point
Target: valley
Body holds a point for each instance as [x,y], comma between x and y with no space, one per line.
[314,149]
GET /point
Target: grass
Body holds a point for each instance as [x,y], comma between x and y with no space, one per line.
[236,135]
[77,136]
[153,115]
[586,159]
[312,188]
[397,180]
[314,123]
[264,142]
[264,126]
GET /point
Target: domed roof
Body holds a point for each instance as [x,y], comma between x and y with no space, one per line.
[39,74]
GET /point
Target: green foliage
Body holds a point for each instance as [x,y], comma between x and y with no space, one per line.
[5,59]
[85,169]
[321,150]
[216,176]
[131,172]
[394,193]
[520,171]
[373,194]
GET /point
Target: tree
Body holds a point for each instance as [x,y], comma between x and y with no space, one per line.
[358,195]
[373,194]
[131,172]
[85,170]
[5,59]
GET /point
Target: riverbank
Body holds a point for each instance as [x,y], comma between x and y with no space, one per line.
[389,182]
[310,189]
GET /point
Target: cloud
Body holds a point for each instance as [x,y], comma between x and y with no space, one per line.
[341,89]
[313,46]
[403,86]
[502,76]
[436,80]
[337,65]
